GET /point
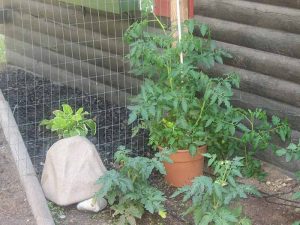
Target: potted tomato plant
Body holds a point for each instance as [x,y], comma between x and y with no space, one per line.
[177,103]
[184,110]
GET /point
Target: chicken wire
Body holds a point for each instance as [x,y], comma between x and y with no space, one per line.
[63,53]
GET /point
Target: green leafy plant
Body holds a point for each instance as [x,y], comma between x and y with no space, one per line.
[68,123]
[182,107]
[177,102]
[246,132]
[211,198]
[128,189]
[292,152]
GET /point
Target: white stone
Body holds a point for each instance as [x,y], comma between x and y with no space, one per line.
[71,169]
[92,205]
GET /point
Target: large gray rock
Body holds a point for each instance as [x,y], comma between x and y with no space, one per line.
[71,169]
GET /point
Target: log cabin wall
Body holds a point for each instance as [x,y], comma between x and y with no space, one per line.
[264,38]
[67,43]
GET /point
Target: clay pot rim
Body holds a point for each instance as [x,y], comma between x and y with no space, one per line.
[203,147]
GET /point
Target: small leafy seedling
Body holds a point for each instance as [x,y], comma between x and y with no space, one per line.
[211,198]
[128,189]
[68,123]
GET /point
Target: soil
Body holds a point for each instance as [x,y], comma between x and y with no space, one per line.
[14,208]
[33,99]
[273,208]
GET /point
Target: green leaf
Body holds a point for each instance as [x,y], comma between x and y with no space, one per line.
[191,25]
[198,217]
[92,125]
[184,105]
[227,215]
[281,152]
[243,128]
[132,118]
[79,111]
[203,29]
[67,109]
[246,221]
[296,196]
[219,127]
[209,122]
[288,157]
[205,219]
[58,113]
[44,122]
[219,59]
[193,149]
[275,120]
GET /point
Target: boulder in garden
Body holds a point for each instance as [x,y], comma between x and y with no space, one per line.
[71,169]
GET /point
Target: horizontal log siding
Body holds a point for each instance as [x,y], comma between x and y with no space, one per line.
[71,43]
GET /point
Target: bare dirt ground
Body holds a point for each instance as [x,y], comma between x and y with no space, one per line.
[14,208]
[275,207]
[270,209]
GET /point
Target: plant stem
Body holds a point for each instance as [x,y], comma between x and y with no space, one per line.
[246,156]
[160,23]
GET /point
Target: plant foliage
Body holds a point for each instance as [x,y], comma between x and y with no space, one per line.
[128,190]
[292,152]
[68,123]
[182,107]
[211,198]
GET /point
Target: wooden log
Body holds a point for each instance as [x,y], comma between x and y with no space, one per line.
[83,36]
[72,49]
[117,80]
[183,8]
[70,16]
[279,66]
[286,3]
[64,77]
[262,85]
[277,42]
[5,15]
[251,13]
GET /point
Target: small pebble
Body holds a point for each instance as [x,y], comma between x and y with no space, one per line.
[92,205]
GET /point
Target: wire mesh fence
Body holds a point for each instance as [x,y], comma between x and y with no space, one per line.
[69,52]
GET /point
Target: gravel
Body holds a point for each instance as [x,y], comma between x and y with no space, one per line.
[33,99]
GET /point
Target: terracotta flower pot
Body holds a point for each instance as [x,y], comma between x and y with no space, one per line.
[184,167]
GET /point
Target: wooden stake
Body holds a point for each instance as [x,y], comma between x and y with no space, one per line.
[184,13]
[179,13]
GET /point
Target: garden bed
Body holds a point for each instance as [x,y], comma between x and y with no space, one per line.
[33,99]
[267,210]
